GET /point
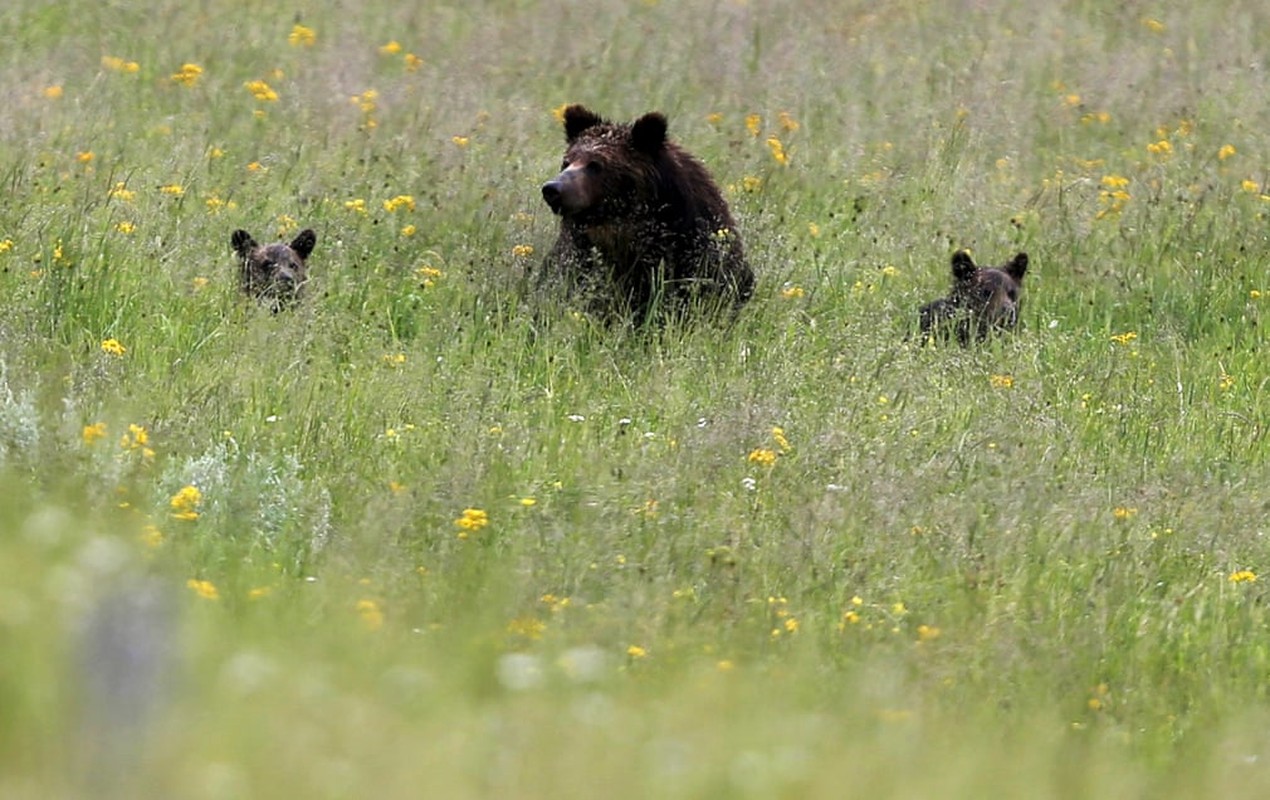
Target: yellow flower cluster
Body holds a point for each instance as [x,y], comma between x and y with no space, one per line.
[113,347]
[399,202]
[188,74]
[261,91]
[473,519]
[301,36]
[94,432]
[762,456]
[116,64]
[370,612]
[204,589]
[185,503]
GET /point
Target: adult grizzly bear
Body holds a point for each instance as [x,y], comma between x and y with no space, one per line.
[982,300]
[274,273]
[644,231]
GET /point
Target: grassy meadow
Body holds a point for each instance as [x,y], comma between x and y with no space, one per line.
[429,536]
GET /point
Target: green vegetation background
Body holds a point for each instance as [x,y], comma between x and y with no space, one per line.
[421,537]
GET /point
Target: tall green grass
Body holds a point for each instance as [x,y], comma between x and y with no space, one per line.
[801,556]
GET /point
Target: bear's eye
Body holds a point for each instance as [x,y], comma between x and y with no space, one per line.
[594,168]
[1013,294]
[564,165]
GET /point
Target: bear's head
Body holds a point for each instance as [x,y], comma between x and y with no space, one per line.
[982,300]
[275,273]
[608,168]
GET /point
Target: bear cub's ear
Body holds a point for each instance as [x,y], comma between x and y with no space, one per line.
[304,242]
[648,134]
[242,242]
[578,118]
[963,266]
[1017,267]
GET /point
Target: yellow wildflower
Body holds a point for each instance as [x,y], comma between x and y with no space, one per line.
[94,432]
[408,230]
[926,633]
[714,118]
[1252,187]
[204,589]
[523,250]
[136,438]
[778,435]
[116,64]
[185,503]
[412,62]
[357,205]
[527,626]
[1001,381]
[188,75]
[1160,148]
[1226,151]
[84,156]
[787,122]
[400,201]
[151,536]
[113,347]
[6,245]
[1124,338]
[473,519]
[301,36]
[762,456]
[125,227]
[390,49]
[174,189]
[1124,513]
[53,92]
[261,91]
[778,151]
[754,124]
[120,191]
[636,652]
[1242,576]
[792,292]
[370,612]
[460,141]
[1153,25]
[751,184]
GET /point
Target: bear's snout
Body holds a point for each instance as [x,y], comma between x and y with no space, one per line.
[553,193]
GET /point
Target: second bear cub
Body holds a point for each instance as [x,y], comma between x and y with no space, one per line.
[982,300]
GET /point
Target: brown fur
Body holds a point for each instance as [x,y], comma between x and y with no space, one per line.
[274,274]
[982,300]
[643,227]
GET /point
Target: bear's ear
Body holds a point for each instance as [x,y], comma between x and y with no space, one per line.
[242,242]
[963,266]
[578,118]
[303,243]
[1017,267]
[648,134]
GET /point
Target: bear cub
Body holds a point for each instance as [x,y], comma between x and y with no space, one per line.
[274,274]
[983,300]
[644,231]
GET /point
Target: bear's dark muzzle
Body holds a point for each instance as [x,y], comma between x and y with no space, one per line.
[553,194]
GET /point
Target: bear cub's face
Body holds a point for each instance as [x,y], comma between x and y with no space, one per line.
[600,164]
[275,273]
[982,300]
